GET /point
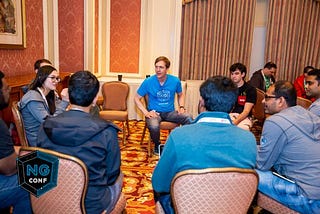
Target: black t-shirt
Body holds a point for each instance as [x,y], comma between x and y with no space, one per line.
[246,94]
[6,144]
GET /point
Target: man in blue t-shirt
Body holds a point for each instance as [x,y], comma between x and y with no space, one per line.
[160,90]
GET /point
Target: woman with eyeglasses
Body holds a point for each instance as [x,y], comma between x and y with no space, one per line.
[42,100]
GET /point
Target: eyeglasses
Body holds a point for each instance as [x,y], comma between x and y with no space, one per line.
[266,96]
[54,78]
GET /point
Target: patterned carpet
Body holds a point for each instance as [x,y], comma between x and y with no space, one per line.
[137,168]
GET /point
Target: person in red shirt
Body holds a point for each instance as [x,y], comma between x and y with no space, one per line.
[299,83]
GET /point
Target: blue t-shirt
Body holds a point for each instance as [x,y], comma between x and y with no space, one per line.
[160,97]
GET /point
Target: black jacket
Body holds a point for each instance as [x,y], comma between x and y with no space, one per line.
[257,80]
[92,140]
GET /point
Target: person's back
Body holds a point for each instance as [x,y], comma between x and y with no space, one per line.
[76,132]
[92,140]
[205,144]
[210,141]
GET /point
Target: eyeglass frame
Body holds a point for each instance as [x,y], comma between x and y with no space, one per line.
[57,79]
[266,96]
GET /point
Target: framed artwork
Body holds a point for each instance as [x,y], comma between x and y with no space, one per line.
[12,24]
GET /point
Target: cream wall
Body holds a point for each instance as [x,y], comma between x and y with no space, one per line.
[259,37]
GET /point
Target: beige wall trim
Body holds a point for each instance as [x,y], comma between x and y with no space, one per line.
[89,26]
[51,31]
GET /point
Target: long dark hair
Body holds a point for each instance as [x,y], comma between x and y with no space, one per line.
[41,77]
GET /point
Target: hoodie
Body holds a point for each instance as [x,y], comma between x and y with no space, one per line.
[34,110]
[92,140]
[290,143]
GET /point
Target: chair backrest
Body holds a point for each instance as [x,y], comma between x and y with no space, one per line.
[69,194]
[115,94]
[258,108]
[214,190]
[305,103]
[18,121]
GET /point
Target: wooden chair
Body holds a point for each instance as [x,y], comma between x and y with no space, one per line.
[214,190]
[272,205]
[69,194]
[114,106]
[258,108]
[164,125]
[305,103]
[18,121]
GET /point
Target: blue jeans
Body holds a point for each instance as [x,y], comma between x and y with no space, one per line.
[12,195]
[287,193]
[165,201]
[173,116]
[115,191]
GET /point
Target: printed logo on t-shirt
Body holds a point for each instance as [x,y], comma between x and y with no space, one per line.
[241,100]
[163,96]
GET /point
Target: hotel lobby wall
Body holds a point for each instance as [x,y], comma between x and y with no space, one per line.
[20,61]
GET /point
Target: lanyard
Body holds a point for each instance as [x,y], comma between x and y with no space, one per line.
[43,96]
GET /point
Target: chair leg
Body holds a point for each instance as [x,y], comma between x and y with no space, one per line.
[128,127]
[149,146]
[143,133]
[124,134]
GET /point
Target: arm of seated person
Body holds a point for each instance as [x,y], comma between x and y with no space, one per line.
[244,114]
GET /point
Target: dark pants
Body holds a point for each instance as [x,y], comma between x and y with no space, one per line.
[154,123]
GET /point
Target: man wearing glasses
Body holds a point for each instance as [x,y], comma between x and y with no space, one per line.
[288,161]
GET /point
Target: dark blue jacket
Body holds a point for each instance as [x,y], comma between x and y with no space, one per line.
[92,140]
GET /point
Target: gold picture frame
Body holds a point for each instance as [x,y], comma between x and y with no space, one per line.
[12,24]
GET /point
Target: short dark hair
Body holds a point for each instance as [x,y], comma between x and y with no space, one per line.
[219,94]
[270,65]
[286,89]
[315,72]
[241,67]
[163,58]
[37,64]
[83,88]
[307,69]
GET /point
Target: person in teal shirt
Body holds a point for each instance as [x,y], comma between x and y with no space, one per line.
[210,141]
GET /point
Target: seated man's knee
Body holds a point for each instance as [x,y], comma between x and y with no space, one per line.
[153,124]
